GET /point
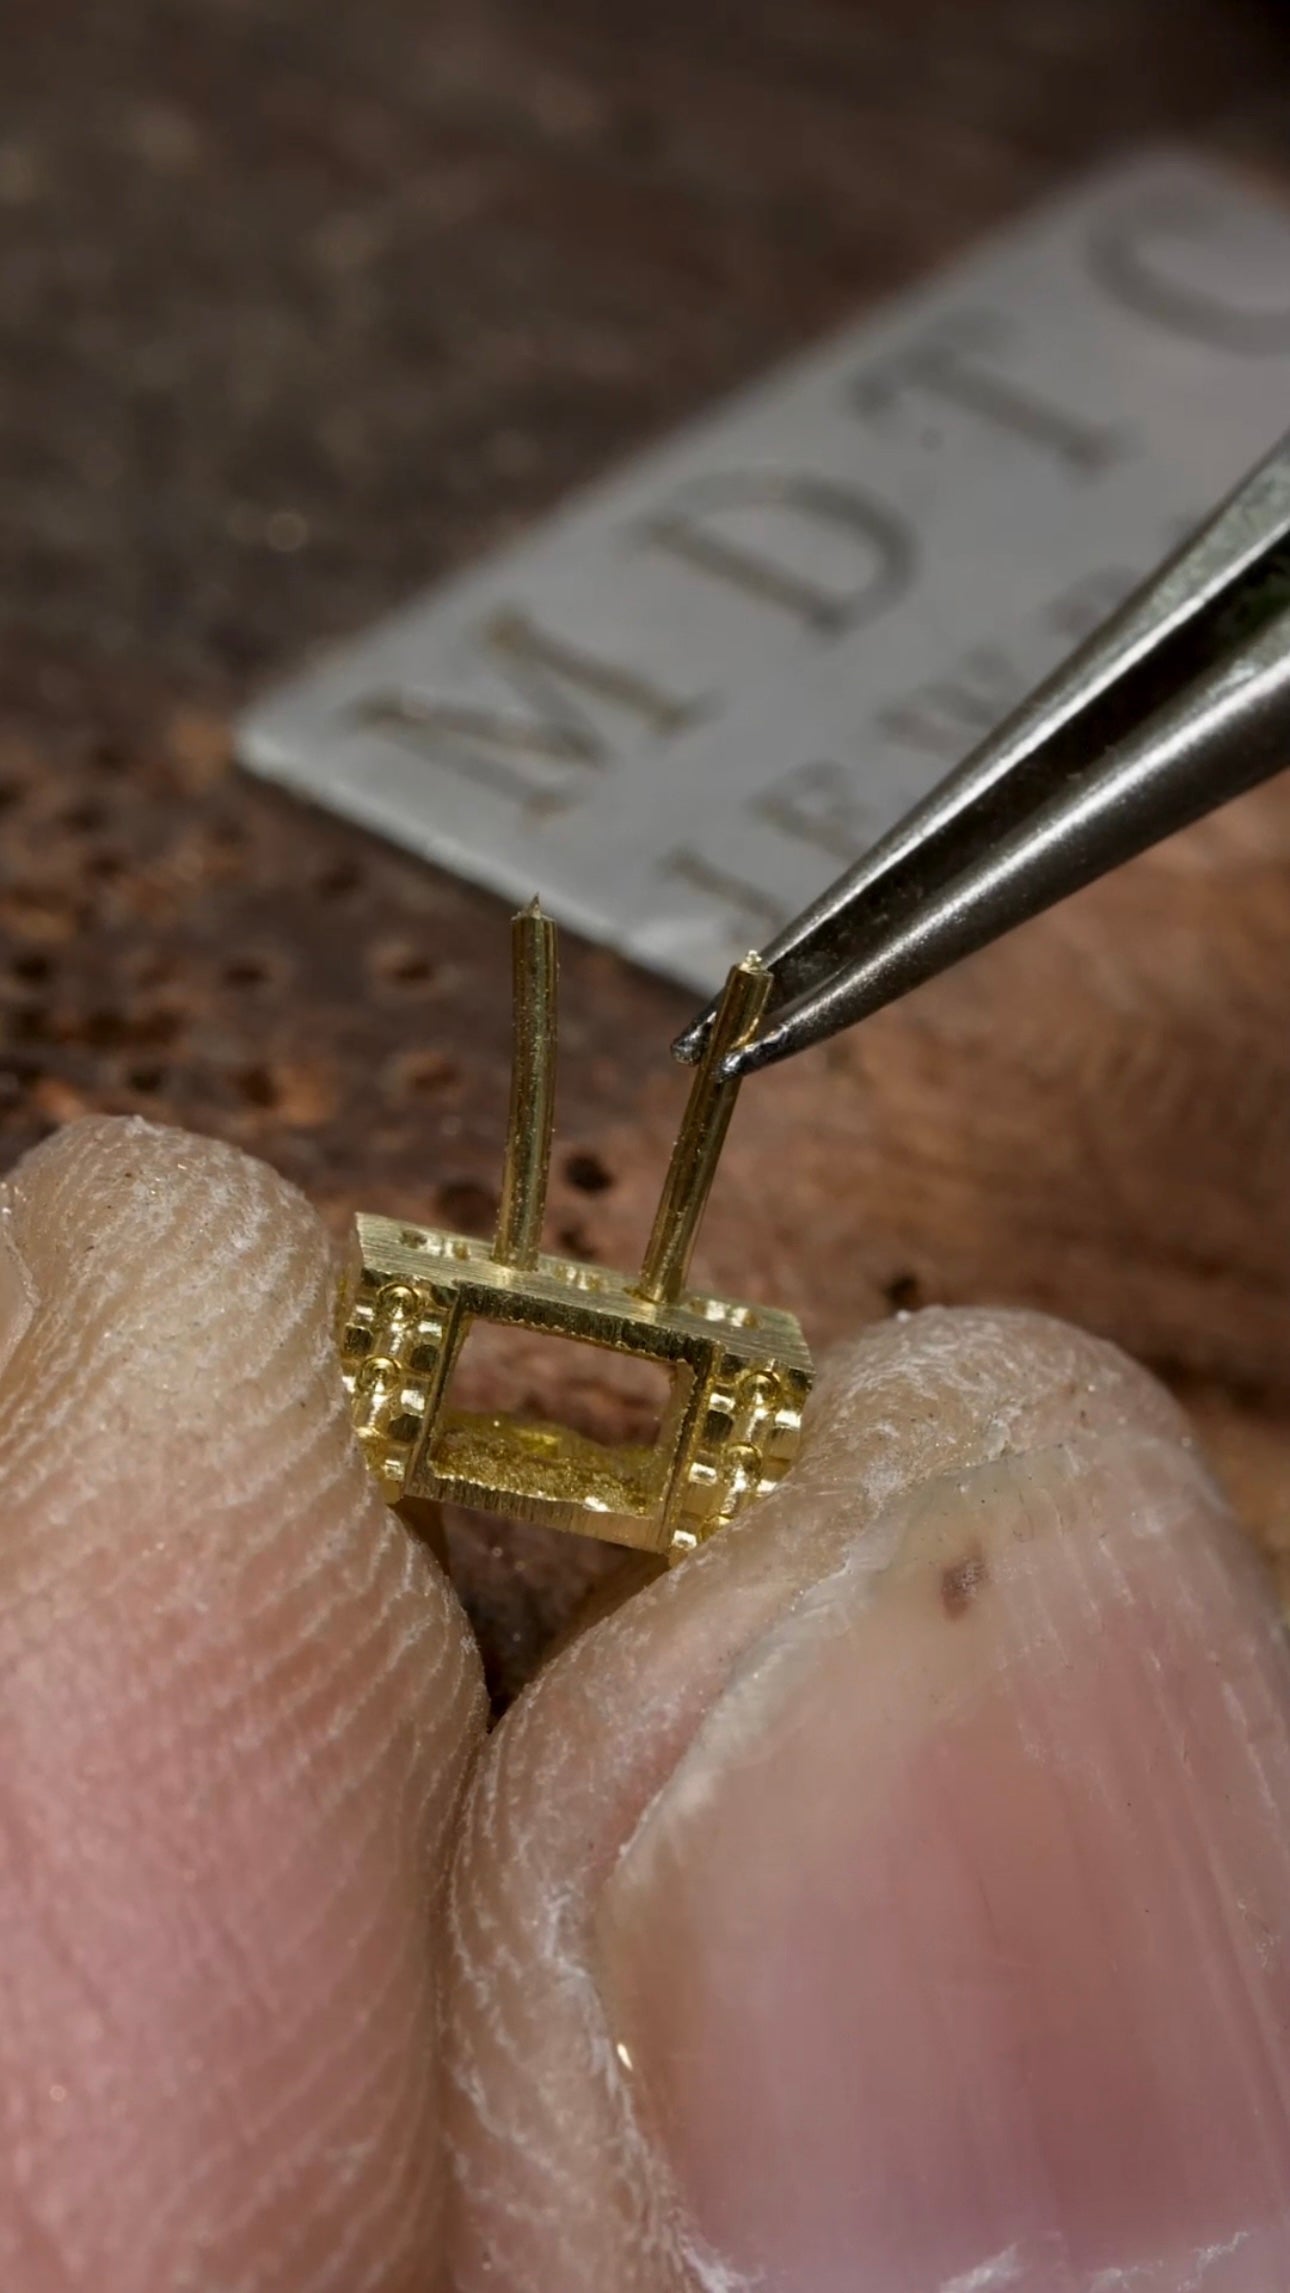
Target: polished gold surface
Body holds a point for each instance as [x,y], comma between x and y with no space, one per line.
[532,1112]
[738,1374]
[702,1135]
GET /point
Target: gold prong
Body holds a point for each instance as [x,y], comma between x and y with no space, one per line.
[532,1110]
[702,1135]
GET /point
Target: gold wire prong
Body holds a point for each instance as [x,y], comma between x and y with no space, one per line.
[702,1135]
[532,1109]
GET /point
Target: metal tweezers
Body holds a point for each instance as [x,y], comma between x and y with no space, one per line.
[1177,703]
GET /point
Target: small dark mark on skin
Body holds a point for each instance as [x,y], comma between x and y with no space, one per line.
[962,1581]
[903,1293]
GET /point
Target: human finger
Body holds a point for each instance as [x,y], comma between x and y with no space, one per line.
[898,1895]
[237,1704]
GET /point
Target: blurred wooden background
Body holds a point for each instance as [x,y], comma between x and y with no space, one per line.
[301,306]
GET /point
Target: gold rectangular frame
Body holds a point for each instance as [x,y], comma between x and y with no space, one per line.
[740,1373]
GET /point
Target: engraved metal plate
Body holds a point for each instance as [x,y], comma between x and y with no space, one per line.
[686,701]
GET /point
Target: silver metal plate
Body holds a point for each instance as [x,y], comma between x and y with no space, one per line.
[679,708]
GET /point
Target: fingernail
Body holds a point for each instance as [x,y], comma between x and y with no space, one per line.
[17,1290]
[954,1953]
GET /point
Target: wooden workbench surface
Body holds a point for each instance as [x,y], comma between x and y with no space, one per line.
[405,275]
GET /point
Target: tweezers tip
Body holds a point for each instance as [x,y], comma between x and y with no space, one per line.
[688,1045]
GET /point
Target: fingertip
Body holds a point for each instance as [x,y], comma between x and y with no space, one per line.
[240,1704]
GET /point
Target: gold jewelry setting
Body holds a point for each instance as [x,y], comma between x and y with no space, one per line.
[738,1374]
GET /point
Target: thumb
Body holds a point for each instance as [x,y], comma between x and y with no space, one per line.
[236,1705]
[898,1895]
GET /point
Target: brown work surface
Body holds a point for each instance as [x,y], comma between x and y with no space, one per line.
[301,306]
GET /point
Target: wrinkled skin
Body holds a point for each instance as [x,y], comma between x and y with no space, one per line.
[895,1899]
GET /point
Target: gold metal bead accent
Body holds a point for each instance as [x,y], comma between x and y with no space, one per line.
[739,1374]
